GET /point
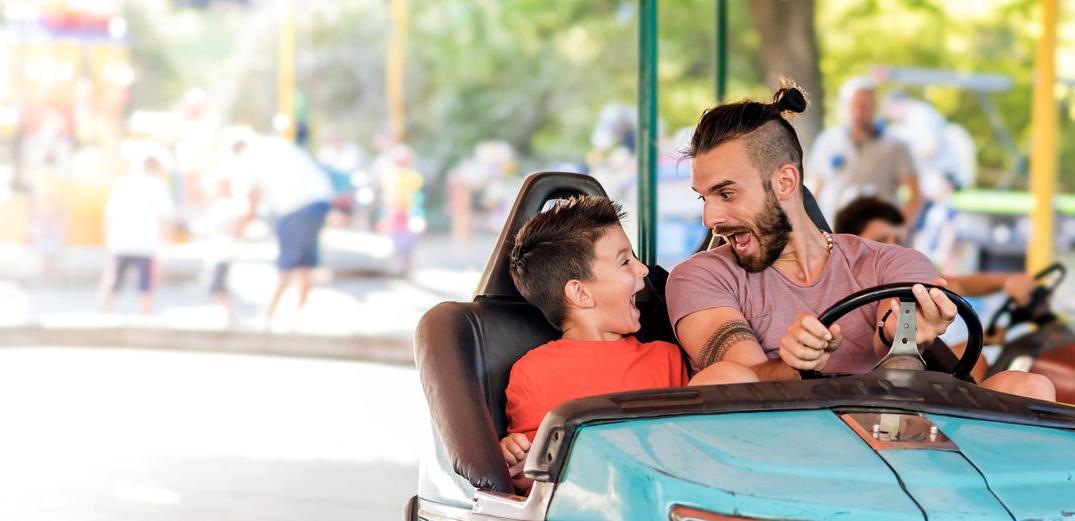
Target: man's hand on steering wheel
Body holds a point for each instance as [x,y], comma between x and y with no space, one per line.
[808,344]
[934,313]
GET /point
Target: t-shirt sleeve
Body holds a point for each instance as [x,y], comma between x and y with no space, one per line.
[904,161]
[677,365]
[899,264]
[699,283]
[525,409]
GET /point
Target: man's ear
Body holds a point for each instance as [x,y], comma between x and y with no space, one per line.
[577,294]
[785,181]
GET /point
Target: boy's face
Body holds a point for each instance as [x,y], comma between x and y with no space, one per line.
[617,277]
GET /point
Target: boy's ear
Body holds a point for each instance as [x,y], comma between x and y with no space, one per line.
[577,294]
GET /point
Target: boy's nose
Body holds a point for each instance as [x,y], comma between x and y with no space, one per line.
[641,269]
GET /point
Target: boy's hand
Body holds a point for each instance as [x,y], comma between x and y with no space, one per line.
[514,448]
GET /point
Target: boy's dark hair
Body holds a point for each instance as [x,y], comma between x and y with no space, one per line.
[771,140]
[854,217]
[557,246]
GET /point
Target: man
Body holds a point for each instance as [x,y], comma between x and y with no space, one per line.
[297,193]
[754,301]
[859,159]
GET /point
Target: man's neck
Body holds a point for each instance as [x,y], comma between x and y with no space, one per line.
[861,134]
[803,259]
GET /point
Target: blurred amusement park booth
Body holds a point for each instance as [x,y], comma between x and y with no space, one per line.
[64,86]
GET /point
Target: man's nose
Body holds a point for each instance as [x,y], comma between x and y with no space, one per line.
[712,217]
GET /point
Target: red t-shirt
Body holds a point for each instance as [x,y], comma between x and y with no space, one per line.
[563,370]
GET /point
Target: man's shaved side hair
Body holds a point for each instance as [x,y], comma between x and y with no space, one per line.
[770,140]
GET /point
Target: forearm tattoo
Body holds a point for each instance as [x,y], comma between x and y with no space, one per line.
[727,335]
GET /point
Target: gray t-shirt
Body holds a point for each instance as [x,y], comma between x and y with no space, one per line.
[847,171]
[770,302]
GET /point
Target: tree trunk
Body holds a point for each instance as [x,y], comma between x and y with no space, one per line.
[789,50]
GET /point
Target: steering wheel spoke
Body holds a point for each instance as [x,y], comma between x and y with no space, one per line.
[904,345]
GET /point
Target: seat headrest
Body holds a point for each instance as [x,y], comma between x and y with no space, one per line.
[538,189]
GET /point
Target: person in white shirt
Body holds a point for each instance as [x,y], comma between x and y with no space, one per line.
[139,208]
[859,159]
[288,184]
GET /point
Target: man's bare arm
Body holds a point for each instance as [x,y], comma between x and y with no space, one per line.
[720,334]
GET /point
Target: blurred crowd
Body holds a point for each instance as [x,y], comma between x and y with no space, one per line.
[186,175]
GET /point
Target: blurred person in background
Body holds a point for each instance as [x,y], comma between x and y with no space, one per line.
[945,157]
[859,158]
[402,214]
[877,220]
[286,183]
[138,210]
[221,228]
[480,189]
[48,216]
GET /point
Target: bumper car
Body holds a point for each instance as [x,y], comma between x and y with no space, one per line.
[905,441]
[1048,346]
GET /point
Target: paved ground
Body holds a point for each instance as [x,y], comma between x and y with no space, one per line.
[133,435]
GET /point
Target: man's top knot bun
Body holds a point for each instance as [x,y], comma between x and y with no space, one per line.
[789,99]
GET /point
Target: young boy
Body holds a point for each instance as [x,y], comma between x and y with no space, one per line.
[575,263]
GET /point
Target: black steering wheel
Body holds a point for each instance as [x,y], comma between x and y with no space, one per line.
[1036,310]
[904,346]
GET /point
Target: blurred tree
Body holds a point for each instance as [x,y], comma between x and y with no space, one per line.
[789,50]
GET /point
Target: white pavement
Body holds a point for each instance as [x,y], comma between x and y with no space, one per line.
[129,435]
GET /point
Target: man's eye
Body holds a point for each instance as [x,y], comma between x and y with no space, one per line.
[726,195]
[700,198]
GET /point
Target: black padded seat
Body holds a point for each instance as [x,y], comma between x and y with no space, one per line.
[464,350]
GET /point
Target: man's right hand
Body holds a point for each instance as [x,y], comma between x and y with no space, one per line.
[808,344]
[514,447]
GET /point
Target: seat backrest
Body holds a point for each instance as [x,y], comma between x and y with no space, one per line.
[464,350]
[812,210]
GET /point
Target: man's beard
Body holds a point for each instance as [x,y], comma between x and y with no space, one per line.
[772,231]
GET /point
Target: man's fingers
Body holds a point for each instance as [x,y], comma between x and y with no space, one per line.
[837,337]
[944,304]
[811,324]
[811,340]
[926,307]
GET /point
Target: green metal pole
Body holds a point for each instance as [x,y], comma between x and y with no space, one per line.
[647,131]
[722,50]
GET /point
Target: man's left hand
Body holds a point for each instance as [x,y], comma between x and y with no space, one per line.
[934,312]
